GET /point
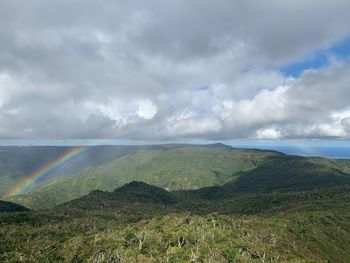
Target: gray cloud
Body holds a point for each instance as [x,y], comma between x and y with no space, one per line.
[156,70]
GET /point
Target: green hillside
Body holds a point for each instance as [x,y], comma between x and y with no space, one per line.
[213,199]
[11,207]
[289,173]
[180,167]
[134,192]
[171,167]
[339,164]
[144,223]
[17,163]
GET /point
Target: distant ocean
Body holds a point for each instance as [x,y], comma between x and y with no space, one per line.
[337,152]
[326,148]
[333,152]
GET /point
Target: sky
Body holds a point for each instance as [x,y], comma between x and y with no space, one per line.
[175,70]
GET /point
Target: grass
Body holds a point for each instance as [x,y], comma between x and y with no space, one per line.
[228,205]
[307,226]
[173,168]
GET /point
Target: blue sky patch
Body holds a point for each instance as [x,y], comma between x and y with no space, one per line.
[319,59]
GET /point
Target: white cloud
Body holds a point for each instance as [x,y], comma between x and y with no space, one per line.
[169,70]
[269,133]
[266,106]
[8,86]
[191,126]
[110,111]
[346,124]
[146,109]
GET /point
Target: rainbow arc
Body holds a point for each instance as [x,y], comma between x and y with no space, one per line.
[45,171]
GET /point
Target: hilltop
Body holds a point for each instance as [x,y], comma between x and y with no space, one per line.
[174,167]
[128,194]
[177,202]
[209,203]
[11,207]
[139,222]
[223,199]
[19,162]
[186,167]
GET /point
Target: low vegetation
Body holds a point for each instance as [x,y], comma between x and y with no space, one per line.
[171,167]
[11,207]
[142,223]
[269,207]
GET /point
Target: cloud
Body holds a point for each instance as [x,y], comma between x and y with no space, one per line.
[183,69]
[269,133]
[146,109]
[346,124]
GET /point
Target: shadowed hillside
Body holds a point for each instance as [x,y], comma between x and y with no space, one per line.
[11,207]
[222,199]
[131,193]
[16,163]
[178,167]
[142,223]
[19,162]
[173,167]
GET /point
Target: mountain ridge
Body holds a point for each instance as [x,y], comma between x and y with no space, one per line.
[184,167]
[138,222]
[179,167]
[6,206]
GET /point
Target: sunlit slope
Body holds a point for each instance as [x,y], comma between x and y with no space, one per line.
[142,221]
[290,173]
[17,163]
[174,168]
[339,164]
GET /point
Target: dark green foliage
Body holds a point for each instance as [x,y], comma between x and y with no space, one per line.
[229,254]
[179,237]
[161,226]
[16,163]
[173,167]
[288,173]
[11,207]
[191,167]
[143,193]
[276,208]
[129,194]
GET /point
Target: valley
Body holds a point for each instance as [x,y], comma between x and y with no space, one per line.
[184,203]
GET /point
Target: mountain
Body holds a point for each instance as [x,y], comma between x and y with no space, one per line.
[17,163]
[183,167]
[173,167]
[282,173]
[223,199]
[130,193]
[11,207]
[171,203]
[143,193]
[139,222]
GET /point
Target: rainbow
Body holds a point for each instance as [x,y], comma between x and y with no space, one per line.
[44,171]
